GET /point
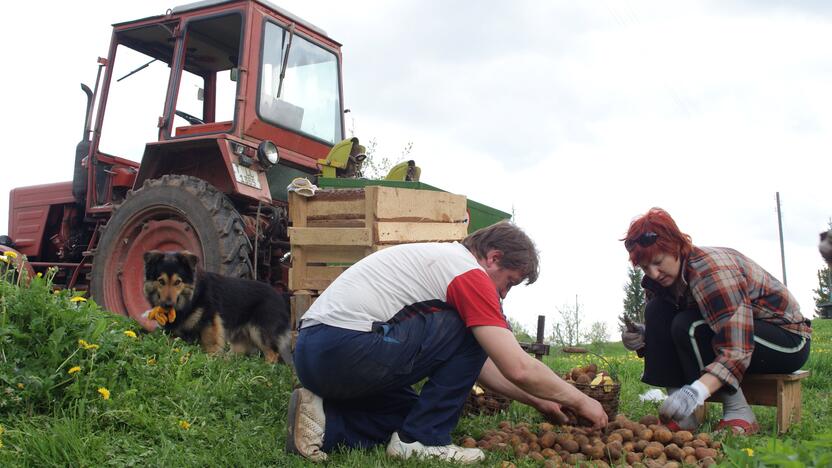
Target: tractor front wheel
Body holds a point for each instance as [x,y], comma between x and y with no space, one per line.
[174,212]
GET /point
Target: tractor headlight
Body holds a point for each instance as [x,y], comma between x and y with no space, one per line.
[267,153]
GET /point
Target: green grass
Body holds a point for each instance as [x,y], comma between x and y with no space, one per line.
[172,405]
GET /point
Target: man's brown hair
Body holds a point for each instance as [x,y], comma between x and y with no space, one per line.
[519,252]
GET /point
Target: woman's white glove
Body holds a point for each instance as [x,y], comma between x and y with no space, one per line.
[633,336]
[684,401]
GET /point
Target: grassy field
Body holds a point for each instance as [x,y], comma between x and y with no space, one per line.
[82,387]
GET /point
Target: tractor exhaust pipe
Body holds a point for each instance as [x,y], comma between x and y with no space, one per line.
[88,114]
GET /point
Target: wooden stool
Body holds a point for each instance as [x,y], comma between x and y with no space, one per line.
[780,390]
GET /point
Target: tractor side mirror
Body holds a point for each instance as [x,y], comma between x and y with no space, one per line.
[234,72]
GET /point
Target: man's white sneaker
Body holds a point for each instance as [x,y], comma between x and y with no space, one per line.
[306,423]
[398,449]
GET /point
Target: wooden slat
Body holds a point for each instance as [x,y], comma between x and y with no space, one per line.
[330,236]
[297,209]
[317,278]
[335,208]
[796,375]
[336,223]
[417,205]
[334,253]
[396,233]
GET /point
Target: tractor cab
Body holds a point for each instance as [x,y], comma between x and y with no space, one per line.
[241,94]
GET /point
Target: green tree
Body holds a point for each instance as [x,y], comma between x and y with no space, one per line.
[634,298]
[822,292]
[519,331]
[597,333]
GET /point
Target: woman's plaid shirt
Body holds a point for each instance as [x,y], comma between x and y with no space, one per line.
[732,291]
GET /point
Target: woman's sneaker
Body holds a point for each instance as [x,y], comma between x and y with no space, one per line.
[306,423]
[398,449]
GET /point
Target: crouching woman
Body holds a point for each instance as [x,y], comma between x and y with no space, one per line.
[713,315]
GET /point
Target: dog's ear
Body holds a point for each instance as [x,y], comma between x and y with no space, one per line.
[190,258]
[823,235]
[152,257]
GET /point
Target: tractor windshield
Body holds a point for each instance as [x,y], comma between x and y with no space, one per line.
[303,97]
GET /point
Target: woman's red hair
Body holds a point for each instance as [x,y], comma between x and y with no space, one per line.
[670,239]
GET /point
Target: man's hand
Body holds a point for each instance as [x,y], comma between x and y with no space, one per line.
[592,410]
[552,412]
[683,403]
[633,336]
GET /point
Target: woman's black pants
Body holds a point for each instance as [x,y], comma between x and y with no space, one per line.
[679,344]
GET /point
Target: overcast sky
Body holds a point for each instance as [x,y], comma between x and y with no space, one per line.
[578,116]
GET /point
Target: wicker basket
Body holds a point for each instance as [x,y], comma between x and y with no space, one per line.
[608,395]
[483,401]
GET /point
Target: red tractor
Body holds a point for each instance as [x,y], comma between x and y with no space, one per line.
[245,97]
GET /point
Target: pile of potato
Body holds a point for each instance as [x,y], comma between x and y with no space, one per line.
[645,443]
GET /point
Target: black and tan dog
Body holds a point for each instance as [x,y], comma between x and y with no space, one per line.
[196,305]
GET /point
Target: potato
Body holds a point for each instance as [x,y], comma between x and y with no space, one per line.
[673,452]
[575,458]
[626,434]
[583,379]
[645,434]
[469,442]
[704,436]
[581,439]
[570,446]
[641,445]
[545,427]
[629,446]
[716,445]
[500,446]
[547,439]
[521,449]
[599,464]
[592,451]
[484,444]
[562,436]
[515,440]
[688,450]
[680,437]
[689,460]
[536,456]
[507,464]
[633,457]
[614,450]
[653,450]
[672,464]
[701,453]
[551,464]
[615,437]
[707,461]
[535,447]
[698,443]
[549,453]
[649,419]
[662,435]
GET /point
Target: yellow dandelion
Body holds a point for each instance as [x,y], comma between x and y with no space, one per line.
[151,361]
[75,298]
[184,424]
[85,345]
[4,259]
[21,386]
[104,393]
[749,451]
[175,350]
[10,254]
[130,333]
[74,370]
[39,275]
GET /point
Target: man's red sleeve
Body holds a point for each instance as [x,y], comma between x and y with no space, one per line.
[475,297]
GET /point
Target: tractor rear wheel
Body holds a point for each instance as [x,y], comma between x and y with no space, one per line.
[174,212]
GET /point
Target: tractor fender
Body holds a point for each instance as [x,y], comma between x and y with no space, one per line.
[208,159]
[16,258]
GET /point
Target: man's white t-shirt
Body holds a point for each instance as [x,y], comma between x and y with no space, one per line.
[411,277]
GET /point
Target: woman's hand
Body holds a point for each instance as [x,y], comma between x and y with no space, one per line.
[633,336]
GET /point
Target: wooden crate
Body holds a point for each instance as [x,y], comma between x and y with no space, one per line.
[338,227]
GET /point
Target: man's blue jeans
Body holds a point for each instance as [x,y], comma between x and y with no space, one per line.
[366,378]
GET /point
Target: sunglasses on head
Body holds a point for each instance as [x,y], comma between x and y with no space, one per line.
[645,240]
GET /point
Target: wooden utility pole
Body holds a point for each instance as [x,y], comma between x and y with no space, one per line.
[782,250]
